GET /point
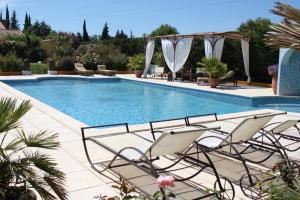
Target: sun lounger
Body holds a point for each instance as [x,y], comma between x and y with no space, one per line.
[103,71]
[134,158]
[231,158]
[79,68]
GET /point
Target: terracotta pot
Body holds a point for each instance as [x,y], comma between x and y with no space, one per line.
[274,83]
[138,73]
[213,82]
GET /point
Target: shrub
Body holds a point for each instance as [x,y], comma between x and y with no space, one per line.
[10,63]
[116,62]
[91,60]
[137,61]
[38,68]
[214,67]
[65,64]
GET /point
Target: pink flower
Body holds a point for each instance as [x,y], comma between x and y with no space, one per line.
[165,181]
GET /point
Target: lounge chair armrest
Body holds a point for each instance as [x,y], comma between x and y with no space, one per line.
[202,115]
[103,126]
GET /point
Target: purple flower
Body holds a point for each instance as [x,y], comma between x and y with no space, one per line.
[273,69]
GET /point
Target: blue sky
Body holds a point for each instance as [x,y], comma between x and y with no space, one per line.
[142,16]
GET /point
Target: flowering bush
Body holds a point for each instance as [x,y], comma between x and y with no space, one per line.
[91,60]
[165,181]
[273,69]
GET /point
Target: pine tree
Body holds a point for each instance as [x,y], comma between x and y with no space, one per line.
[14,21]
[105,32]
[85,35]
[1,15]
[7,17]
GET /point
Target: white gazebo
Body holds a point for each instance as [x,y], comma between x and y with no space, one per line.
[176,48]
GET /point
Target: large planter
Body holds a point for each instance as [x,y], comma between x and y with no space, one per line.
[10,73]
[138,73]
[213,82]
[274,83]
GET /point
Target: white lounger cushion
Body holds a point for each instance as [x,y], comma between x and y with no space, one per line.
[179,141]
[282,126]
[243,131]
[171,141]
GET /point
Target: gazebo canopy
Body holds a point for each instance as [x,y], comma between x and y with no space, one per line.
[176,48]
[233,35]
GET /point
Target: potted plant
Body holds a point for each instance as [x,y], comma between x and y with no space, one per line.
[215,69]
[137,63]
[273,71]
[22,163]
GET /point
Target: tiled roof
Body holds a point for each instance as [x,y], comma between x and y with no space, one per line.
[10,32]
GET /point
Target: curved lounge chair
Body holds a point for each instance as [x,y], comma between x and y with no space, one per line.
[79,68]
[103,71]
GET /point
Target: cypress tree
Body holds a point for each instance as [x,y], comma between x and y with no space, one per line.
[27,22]
[85,35]
[7,17]
[1,15]
[14,21]
[105,32]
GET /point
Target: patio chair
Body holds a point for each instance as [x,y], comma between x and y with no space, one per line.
[103,71]
[134,158]
[79,68]
[158,72]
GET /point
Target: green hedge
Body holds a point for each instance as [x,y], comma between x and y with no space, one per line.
[10,63]
[38,68]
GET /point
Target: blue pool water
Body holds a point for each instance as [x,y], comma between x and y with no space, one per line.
[108,101]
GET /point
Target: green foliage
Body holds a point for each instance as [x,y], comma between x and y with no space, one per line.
[105,32]
[261,55]
[137,61]
[214,67]
[91,60]
[20,156]
[121,35]
[164,29]
[40,29]
[116,62]
[65,63]
[10,63]
[158,59]
[38,68]
[14,21]
[85,35]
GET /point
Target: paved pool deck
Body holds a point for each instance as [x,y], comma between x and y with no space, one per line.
[81,180]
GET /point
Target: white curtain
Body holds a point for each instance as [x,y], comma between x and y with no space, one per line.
[218,49]
[208,47]
[148,56]
[176,56]
[213,45]
[245,50]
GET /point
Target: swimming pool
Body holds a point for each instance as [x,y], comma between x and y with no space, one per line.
[108,101]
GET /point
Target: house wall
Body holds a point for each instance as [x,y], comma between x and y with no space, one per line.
[289,73]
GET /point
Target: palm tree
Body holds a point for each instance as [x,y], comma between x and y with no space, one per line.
[285,34]
[21,162]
